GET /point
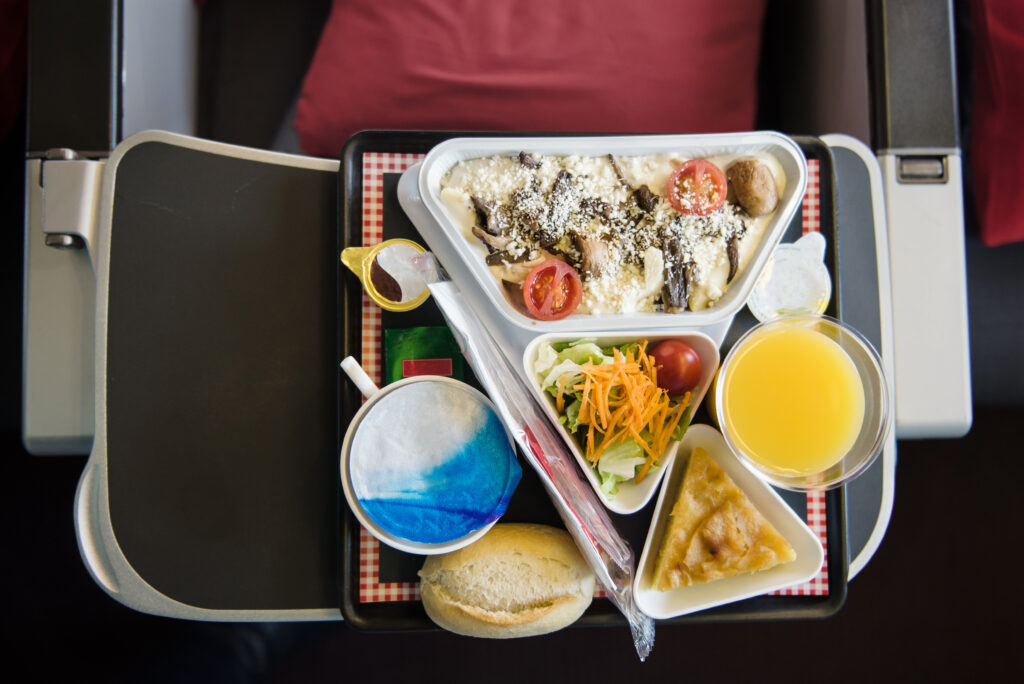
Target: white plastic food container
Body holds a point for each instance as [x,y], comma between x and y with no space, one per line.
[630,497]
[449,237]
[684,600]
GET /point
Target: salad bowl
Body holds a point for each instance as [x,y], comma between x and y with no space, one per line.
[551,355]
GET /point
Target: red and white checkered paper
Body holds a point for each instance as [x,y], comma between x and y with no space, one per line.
[371,588]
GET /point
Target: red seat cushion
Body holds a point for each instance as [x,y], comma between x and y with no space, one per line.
[997,146]
[661,66]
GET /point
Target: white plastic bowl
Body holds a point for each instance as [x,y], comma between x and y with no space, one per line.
[684,600]
[630,497]
[446,237]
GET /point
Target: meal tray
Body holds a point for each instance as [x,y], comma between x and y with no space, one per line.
[378,584]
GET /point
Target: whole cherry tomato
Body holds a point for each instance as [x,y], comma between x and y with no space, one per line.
[679,366]
[697,187]
[552,290]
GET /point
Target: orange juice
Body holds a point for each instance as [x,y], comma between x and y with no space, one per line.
[792,400]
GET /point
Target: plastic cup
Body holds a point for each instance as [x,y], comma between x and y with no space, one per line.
[815,410]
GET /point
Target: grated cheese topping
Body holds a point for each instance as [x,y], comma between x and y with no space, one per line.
[580,210]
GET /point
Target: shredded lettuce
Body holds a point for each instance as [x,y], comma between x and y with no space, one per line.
[572,414]
[557,368]
[550,356]
[624,349]
[583,340]
[551,364]
[618,464]
[583,352]
[684,423]
[567,368]
[547,358]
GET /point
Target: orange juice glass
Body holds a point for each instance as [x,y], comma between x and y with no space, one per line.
[804,402]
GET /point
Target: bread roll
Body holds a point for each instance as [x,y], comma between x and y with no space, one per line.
[517,580]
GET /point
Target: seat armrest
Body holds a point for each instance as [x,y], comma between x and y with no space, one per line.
[915,135]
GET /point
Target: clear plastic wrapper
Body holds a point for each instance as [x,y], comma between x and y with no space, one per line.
[586,519]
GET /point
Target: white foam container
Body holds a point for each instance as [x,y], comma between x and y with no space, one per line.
[449,237]
[630,497]
[668,604]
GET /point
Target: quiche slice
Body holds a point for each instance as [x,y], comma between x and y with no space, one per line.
[714,531]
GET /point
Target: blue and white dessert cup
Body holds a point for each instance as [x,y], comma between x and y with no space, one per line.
[426,464]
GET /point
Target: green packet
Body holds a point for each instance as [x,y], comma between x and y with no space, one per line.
[429,350]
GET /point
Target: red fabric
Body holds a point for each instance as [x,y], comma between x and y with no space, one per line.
[997,143]
[414,367]
[656,66]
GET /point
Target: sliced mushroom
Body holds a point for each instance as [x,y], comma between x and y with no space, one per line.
[618,172]
[733,251]
[675,293]
[594,255]
[563,184]
[528,160]
[517,271]
[493,242]
[527,203]
[484,215]
[645,199]
[502,257]
[545,238]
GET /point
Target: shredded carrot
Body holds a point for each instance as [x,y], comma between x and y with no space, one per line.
[621,399]
[560,401]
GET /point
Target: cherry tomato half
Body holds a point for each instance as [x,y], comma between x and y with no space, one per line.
[678,365]
[697,187]
[552,290]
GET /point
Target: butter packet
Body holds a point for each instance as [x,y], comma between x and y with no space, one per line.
[428,350]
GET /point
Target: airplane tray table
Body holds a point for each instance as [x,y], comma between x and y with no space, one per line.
[378,584]
[212,489]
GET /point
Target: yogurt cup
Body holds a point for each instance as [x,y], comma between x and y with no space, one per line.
[795,281]
[426,465]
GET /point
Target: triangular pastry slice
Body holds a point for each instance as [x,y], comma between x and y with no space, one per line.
[714,531]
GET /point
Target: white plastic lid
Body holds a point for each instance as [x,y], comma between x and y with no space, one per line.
[795,281]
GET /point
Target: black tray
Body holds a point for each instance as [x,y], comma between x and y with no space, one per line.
[530,503]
